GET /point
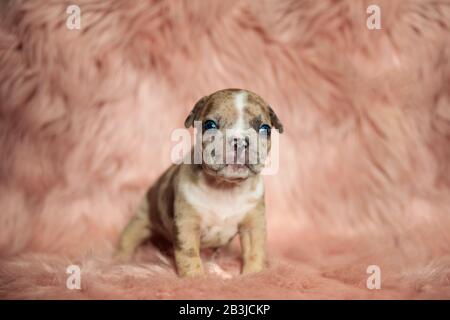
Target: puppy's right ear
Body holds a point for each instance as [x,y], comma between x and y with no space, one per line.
[193,115]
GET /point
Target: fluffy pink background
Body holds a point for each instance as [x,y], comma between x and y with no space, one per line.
[86,118]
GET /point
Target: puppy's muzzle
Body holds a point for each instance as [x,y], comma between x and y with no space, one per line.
[240,150]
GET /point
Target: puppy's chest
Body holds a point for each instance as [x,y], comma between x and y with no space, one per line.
[220,211]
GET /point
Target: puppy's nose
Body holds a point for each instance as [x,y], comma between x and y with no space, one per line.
[240,149]
[239,143]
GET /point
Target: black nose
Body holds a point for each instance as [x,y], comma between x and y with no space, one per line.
[240,143]
[240,150]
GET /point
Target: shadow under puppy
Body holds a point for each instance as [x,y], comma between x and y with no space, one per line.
[204,204]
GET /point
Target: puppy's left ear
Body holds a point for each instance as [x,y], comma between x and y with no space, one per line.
[193,115]
[275,121]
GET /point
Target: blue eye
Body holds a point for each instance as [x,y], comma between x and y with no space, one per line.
[264,129]
[209,124]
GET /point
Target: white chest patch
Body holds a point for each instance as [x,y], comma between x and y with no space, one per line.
[220,211]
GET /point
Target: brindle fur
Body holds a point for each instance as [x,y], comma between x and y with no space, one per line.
[166,212]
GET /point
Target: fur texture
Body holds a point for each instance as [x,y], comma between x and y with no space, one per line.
[364,179]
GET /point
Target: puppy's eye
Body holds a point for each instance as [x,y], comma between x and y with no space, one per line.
[209,124]
[264,129]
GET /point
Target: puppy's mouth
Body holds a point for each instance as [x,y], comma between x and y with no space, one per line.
[231,172]
[237,167]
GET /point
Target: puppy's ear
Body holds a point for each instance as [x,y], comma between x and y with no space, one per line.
[275,121]
[193,115]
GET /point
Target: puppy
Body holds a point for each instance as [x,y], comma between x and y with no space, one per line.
[206,203]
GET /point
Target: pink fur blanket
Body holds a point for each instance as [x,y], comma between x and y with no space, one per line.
[85,127]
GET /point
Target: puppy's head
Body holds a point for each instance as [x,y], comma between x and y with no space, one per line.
[236,126]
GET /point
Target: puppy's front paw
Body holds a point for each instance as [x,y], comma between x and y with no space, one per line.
[188,263]
[190,268]
[250,268]
[190,272]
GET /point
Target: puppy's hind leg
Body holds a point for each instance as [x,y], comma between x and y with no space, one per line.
[137,230]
